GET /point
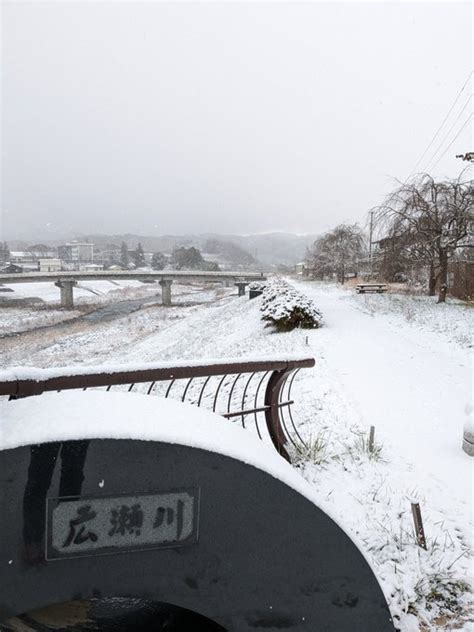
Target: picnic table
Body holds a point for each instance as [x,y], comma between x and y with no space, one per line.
[362,288]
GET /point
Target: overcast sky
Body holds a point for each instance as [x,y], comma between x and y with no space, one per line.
[230,117]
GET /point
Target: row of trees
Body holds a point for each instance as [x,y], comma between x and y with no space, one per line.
[137,256]
[181,259]
[191,259]
[423,224]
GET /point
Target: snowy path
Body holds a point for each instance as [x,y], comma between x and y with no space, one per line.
[413,388]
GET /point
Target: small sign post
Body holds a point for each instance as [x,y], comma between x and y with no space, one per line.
[419,530]
[371,439]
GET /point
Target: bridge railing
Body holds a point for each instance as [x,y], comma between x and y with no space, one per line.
[255,393]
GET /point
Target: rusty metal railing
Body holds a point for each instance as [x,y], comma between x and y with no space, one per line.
[235,389]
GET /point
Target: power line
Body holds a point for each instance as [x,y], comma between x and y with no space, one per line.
[449,131]
[464,125]
[444,121]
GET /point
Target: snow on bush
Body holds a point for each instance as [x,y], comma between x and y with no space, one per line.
[287,309]
[257,286]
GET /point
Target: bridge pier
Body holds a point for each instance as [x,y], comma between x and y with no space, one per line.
[241,285]
[166,291]
[66,289]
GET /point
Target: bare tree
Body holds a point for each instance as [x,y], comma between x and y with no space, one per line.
[400,249]
[434,219]
[336,252]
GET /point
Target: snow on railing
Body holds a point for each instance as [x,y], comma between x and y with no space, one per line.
[234,388]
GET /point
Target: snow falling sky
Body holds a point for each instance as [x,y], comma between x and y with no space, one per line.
[159,118]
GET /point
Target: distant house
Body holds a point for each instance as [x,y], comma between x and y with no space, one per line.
[49,265]
[300,268]
[22,257]
[461,280]
[29,259]
[12,268]
[92,267]
[108,256]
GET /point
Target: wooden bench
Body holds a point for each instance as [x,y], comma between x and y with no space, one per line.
[362,288]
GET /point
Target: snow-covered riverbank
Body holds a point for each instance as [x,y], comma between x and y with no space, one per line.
[373,367]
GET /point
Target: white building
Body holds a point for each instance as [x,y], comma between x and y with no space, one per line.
[49,265]
[77,252]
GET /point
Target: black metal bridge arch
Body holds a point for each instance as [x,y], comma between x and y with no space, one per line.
[225,536]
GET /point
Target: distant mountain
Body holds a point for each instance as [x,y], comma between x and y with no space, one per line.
[274,248]
[229,251]
[267,249]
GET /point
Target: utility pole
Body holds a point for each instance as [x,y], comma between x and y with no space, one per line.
[370,240]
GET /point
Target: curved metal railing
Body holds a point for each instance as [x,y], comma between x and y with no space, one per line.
[256,393]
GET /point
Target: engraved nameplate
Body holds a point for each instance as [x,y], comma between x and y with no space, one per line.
[97,525]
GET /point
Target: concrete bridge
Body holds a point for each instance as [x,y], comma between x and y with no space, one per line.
[66,281]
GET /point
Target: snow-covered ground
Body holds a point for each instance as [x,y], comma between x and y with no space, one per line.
[453,321]
[378,365]
[40,301]
[28,305]
[49,293]
[15,319]
[411,378]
